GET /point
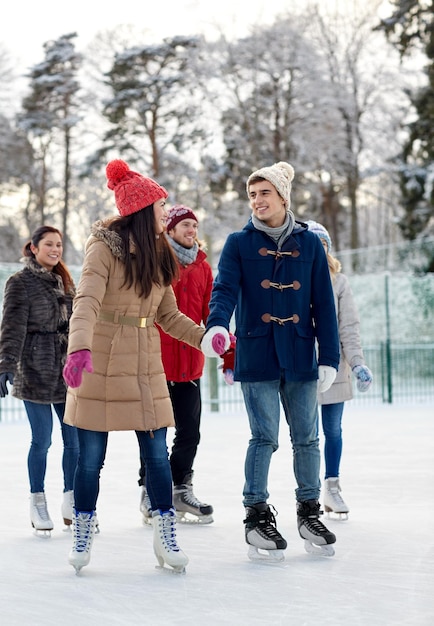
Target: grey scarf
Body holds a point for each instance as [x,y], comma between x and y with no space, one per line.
[280,233]
[185,255]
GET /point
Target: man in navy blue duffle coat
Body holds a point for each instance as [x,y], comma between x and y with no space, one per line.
[274,275]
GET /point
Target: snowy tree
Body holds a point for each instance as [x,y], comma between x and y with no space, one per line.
[154,108]
[6,78]
[275,105]
[367,97]
[50,114]
[410,28]
[312,89]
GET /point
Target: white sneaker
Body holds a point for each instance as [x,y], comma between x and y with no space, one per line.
[83,525]
[39,515]
[333,501]
[67,507]
[165,547]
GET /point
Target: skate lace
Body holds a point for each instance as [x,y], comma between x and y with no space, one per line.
[315,525]
[167,526]
[84,523]
[334,492]
[189,498]
[266,523]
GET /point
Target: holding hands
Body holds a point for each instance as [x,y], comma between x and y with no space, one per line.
[229,361]
[215,341]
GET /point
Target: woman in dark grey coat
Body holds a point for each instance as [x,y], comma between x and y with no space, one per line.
[37,306]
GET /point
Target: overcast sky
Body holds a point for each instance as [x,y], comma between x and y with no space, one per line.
[24,29]
[26,26]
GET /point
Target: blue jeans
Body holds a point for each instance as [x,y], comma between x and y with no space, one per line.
[299,401]
[331,415]
[41,422]
[154,453]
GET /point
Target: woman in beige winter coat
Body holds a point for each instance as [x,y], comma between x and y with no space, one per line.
[351,360]
[114,369]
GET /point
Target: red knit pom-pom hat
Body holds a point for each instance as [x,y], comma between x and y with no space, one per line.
[133,192]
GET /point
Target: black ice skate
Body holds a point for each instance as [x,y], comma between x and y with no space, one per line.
[188,508]
[264,540]
[317,538]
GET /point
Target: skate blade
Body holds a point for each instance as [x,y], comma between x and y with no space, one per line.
[146,521]
[184,517]
[265,556]
[172,570]
[325,550]
[43,533]
[337,516]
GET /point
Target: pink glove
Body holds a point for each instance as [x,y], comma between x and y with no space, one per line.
[74,366]
[215,341]
[219,343]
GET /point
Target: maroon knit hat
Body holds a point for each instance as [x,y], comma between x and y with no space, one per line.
[178,213]
[133,192]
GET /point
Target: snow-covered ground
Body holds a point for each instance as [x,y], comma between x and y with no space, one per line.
[382,573]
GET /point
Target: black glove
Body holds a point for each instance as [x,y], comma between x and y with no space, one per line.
[4,378]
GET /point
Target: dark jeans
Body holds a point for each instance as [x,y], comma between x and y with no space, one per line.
[187,409]
[331,415]
[41,423]
[153,452]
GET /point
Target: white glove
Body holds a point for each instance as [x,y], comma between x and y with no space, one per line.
[215,341]
[326,377]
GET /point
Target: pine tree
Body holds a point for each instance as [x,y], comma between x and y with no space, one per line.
[50,109]
[411,26]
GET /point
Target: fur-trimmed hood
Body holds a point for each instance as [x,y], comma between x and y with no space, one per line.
[101,230]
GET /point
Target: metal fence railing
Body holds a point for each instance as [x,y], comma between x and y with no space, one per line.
[402,373]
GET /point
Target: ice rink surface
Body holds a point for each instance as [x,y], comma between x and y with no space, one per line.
[382,573]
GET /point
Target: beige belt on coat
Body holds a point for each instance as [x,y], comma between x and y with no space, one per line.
[116,318]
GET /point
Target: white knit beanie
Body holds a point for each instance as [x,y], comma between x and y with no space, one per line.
[280,175]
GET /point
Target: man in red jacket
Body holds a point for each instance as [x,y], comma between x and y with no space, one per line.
[184,365]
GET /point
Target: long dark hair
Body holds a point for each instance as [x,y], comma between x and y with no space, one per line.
[151,260]
[60,268]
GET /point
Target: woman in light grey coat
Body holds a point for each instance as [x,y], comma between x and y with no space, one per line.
[351,360]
